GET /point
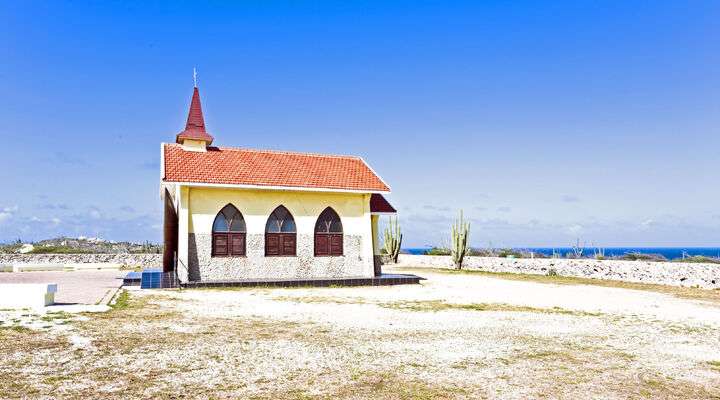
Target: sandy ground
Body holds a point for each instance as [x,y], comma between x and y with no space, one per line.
[74,287]
[454,336]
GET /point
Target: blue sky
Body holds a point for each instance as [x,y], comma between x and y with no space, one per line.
[544,121]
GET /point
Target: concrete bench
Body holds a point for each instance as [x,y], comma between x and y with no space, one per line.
[27,295]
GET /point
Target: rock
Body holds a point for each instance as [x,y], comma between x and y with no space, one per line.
[26,248]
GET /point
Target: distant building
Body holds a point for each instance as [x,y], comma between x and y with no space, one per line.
[234,214]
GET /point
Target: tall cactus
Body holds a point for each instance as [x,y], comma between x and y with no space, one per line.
[392,239]
[459,233]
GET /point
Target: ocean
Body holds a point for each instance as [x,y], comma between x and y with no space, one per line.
[668,252]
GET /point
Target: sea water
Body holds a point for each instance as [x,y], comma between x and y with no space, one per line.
[670,253]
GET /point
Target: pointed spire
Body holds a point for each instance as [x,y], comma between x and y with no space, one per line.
[195,126]
[195,120]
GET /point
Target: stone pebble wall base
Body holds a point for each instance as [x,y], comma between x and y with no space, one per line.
[130,260]
[204,267]
[664,273]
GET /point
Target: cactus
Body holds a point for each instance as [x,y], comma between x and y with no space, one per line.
[459,235]
[393,239]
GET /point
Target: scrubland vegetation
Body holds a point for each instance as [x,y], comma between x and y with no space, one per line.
[81,245]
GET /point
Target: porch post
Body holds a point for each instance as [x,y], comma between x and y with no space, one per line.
[183,233]
[377,256]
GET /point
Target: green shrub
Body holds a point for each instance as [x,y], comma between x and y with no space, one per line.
[599,253]
[505,253]
[59,250]
[438,251]
[699,259]
[635,256]
[481,252]
[539,255]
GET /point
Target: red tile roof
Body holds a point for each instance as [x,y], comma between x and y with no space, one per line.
[226,165]
[379,204]
[195,126]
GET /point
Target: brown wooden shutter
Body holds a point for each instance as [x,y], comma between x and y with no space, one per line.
[220,244]
[272,244]
[237,244]
[288,244]
[322,245]
[336,245]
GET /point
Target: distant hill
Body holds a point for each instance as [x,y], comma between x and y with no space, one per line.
[66,245]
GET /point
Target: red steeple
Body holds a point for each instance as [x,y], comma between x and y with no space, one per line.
[195,126]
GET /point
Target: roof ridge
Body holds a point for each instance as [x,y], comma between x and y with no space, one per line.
[324,155]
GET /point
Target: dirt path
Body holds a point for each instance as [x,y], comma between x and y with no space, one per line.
[454,336]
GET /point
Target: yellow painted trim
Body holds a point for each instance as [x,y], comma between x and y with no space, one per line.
[257,205]
[194,145]
[264,187]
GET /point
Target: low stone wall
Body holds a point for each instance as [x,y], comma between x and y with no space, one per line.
[665,273]
[130,260]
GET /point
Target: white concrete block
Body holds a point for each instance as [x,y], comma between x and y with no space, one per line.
[27,295]
[37,267]
[25,267]
[86,266]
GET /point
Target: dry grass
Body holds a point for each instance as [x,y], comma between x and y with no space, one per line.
[369,384]
[172,345]
[141,329]
[438,305]
[322,299]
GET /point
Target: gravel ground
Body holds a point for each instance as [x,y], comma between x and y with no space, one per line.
[454,336]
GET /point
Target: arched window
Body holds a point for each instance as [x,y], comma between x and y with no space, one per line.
[228,233]
[328,234]
[280,233]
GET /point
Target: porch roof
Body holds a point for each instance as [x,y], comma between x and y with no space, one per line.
[380,205]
